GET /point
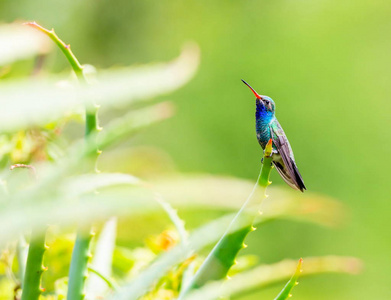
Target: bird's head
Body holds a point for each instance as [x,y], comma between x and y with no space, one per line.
[264,103]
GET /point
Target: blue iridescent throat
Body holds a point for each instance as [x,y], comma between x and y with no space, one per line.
[262,115]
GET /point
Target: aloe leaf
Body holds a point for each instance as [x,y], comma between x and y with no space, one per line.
[83,184]
[57,207]
[120,194]
[102,260]
[34,263]
[266,275]
[34,268]
[21,255]
[180,227]
[53,179]
[40,101]
[18,42]
[225,193]
[222,257]
[110,283]
[173,215]
[200,238]
[66,49]
[132,122]
[123,127]
[286,291]
[80,256]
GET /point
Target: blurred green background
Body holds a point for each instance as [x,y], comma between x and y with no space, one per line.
[327,65]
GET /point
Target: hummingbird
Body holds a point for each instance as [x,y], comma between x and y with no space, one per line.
[268,127]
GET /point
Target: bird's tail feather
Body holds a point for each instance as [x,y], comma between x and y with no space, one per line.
[296,182]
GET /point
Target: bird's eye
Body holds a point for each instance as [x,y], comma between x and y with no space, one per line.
[266,102]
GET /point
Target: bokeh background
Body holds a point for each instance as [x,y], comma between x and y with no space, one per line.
[327,65]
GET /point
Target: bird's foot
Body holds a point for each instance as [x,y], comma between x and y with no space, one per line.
[273,152]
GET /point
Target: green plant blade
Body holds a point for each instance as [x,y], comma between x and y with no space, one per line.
[286,291]
[102,260]
[34,268]
[58,205]
[21,255]
[78,269]
[19,42]
[66,49]
[222,257]
[173,215]
[265,275]
[202,237]
[208,234]
[183,192]
[41,101]
[35,211]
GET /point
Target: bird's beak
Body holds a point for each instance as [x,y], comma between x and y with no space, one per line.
[255,93]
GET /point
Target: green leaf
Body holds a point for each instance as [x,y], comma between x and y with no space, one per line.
[19,42]
[286,291]
[222,257]
[34,269]
[226,193]
[200,238]
[41,101]
[209,234]
[102,260]
[266,275]
[36,205]
[173,215]
[57,203]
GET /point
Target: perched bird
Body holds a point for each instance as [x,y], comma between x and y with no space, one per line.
[267,128]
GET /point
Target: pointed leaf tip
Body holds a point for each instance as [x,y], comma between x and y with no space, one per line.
[286,291]
[29,23]
[299,264]
[39,27]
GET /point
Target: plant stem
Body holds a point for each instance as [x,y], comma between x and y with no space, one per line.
[80,255]
[34,268]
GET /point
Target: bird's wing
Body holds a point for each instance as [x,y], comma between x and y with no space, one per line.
[290,173]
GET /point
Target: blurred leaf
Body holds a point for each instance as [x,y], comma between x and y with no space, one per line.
[102,260]
[211,232]
[222,257]
[227,193]
[268,274]
[286,291]
[38,102]
[52,177]
[200,238]
[6,289]
[173,215]
[82,184]
[243,263]
[59,205]
[54,187]
[21,256]
[19,42]
[123,260]
[133,121]
[60,245]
